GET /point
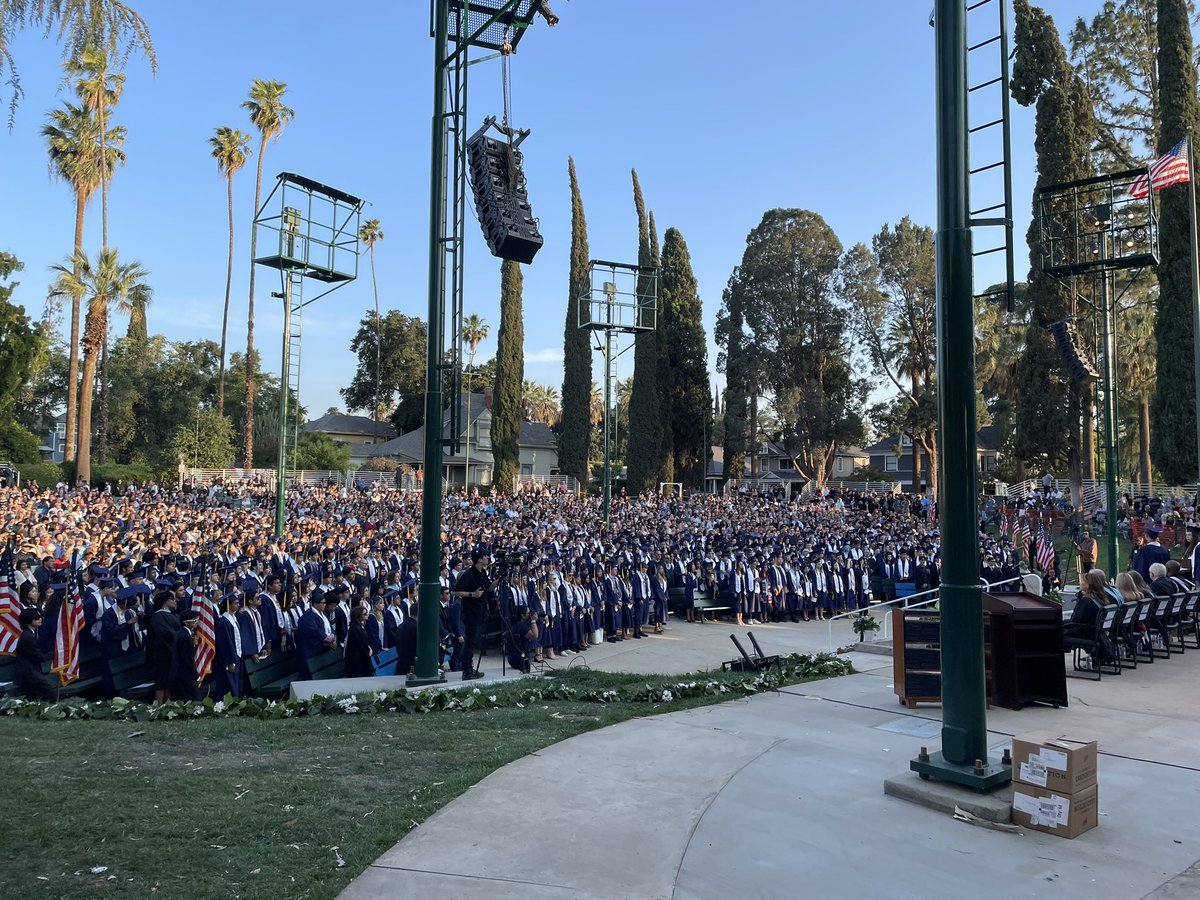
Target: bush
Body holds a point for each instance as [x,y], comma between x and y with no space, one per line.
[17,443]
[44,473]
[869,473]
[111,473]
[380,464]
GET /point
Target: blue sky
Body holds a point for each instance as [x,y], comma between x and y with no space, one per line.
[725,114]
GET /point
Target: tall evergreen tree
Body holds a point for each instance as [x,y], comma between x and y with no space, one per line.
[665,438]
[1173,410]
[575,434]
[1048,416]
[645,404]
[800,334]
[687,362]
[733,360]
[510,375]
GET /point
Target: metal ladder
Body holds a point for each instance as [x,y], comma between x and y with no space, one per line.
[294,294]
[989,75]
[453,240]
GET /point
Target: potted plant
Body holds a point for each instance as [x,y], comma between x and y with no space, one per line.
[865,625]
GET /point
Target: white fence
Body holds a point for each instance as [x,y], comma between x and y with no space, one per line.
[879,487]
[1093,489]
[562,482]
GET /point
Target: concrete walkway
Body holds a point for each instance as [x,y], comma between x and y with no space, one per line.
[782,796]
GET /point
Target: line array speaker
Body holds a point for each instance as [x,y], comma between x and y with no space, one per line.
[501,199]
[1065,336]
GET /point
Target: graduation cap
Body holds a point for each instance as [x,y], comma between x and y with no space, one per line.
[106,583]
[126,594]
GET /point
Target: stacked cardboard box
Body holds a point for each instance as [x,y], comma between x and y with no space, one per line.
[1054,784]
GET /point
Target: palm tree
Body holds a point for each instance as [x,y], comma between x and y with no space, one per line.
[108,282]
[270,116]
[474,333]
[99,89]
[539,403]
[371,234]
[596,405]
[71,134]
[110,25]
[230,147]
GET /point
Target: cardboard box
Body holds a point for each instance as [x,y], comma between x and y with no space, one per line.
[1057,762]
[1064,815]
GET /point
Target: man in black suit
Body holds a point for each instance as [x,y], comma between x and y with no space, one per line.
[184,683]
[452,628]
[472,588]
[406,642]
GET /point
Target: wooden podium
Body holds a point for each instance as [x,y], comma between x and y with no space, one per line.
[1025,637]
[1023,652]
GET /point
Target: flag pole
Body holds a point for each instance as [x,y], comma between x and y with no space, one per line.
[1195,309]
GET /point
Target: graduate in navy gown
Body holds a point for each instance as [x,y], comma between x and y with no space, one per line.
[314,634]
[227,665]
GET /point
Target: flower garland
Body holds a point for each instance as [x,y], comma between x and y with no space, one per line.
[518,694]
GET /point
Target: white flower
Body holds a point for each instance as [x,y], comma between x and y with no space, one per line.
[491,698]
[475,690]
[667,696]
[219,706]
[381,696]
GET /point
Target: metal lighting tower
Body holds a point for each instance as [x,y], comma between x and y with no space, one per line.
[456,26]
[1094,227]
[963,757]
[621,299]
[311,233]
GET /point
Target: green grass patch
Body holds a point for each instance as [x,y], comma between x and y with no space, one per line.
[253,807]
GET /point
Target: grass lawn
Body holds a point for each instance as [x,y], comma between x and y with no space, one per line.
[244,807]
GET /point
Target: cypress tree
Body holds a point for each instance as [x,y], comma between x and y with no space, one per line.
[510,375]
[1173,411]
[733,361]
[1048,414]
[687,362]
[575,434]
[645,407]
[665,459]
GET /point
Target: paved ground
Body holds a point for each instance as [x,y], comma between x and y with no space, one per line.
[782,796]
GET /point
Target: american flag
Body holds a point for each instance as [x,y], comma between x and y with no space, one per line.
[1003,523]
[206,636]
[1172,168]
[10,607]
[1026,534]
[1045,553]
[66,636]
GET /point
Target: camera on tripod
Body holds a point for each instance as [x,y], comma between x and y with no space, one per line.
[504,561]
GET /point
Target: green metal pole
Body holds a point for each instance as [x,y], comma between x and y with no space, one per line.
[426,666]
[607,423]
[284,379]
[964,720]
[1195,300]
[1108,377]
